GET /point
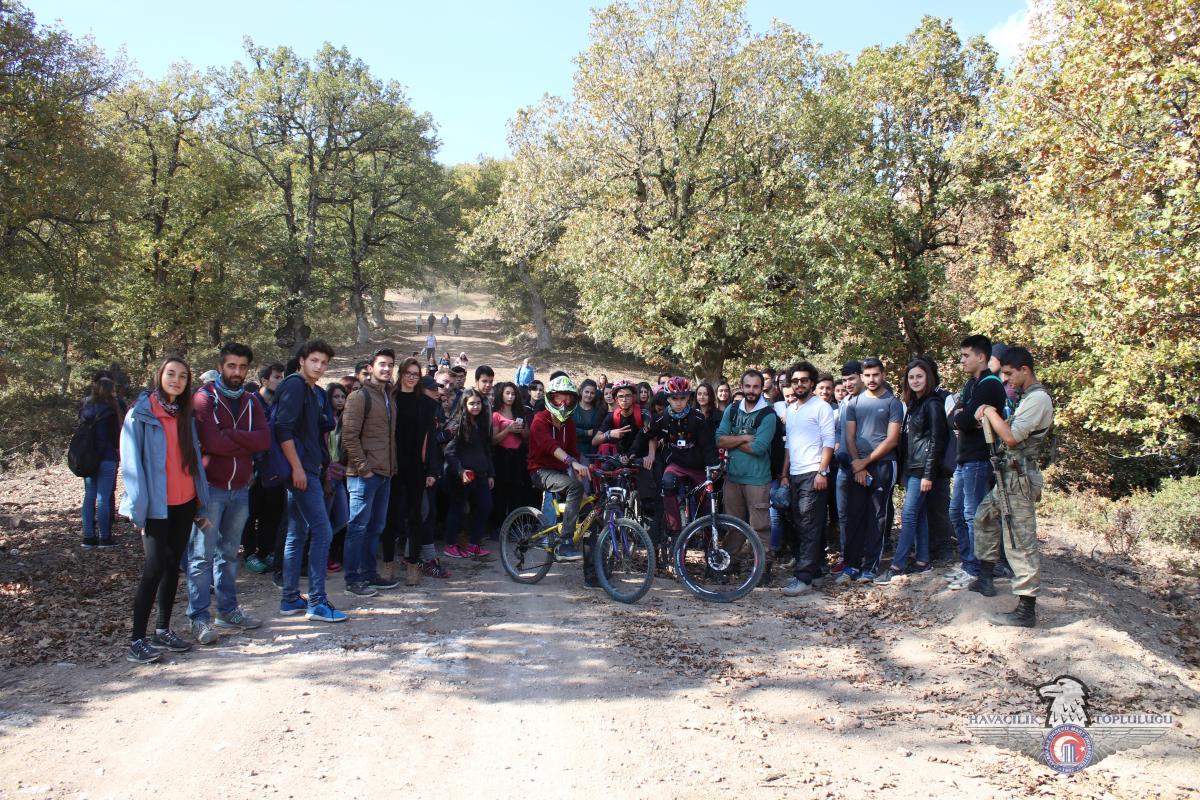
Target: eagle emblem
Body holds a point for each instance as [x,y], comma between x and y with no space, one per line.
[1068,738]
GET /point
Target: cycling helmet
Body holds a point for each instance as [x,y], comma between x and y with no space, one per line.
[561,385]
[623,384]
[677,386]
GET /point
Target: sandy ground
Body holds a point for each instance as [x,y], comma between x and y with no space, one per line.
[477,687]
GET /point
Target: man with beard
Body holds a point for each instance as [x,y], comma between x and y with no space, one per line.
[745,433]
[810,440]
[232,426]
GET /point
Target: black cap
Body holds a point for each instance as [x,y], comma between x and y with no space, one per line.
[852,368]
[998,350]
[427,382]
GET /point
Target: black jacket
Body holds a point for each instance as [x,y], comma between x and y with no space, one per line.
[475,455]
[925,432]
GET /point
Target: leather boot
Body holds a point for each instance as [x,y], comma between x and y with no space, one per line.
[412,574]
[1023,616]
[983,581]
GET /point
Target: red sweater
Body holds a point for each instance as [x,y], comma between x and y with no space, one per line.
[545,437]
[229,438]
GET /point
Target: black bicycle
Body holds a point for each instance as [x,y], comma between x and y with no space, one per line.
[718,557]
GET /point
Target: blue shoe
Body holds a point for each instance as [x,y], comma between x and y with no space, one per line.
[567,551]
[867,576]
[290,608]
[324,612]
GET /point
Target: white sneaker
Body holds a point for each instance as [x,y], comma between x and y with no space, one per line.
[953,574]
[795,588]
[962,581]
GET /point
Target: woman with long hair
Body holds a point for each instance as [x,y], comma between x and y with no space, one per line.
[922,443]
[470,474]
[724,396]
[587,414]
[165,493]
[706,404]
[105,412]
[510,434]
[337,498]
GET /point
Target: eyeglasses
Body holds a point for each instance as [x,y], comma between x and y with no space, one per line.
[801,380]
[408,373]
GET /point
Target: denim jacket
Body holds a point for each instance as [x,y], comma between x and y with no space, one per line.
[144,466]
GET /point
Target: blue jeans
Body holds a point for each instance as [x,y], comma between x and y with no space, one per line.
[914,523]
[368,515]
[307,518]
[97,497]
[212,553]
[778,523]
[338,506]
[841,493]
[972,482]
[479,496]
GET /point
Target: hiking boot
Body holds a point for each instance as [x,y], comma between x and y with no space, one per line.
[140,652]
[1023,616]
[89,543]
[290,608]
[795,588]
[204,633]
[360,590]
[256,565]
[237,620]
[454,551]
[325,612]
[983,581]
[567,551]
[379,582]
[168,640]
[412,573]
[434,569]
[475,551]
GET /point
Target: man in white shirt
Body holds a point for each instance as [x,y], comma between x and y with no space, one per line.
[810,441]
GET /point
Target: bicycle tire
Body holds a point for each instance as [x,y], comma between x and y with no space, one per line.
[603,559]
[517,537]
[699,529]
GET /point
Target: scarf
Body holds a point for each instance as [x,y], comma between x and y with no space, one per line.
[229,394]
[171,408]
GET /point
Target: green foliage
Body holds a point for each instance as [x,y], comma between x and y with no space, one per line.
[1173,512]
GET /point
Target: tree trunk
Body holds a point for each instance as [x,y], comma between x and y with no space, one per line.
[537,309]
[363,334]
[379,307]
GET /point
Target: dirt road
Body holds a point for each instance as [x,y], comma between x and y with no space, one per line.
[478,687]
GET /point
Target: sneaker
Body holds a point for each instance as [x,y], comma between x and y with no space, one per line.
[204,633]
[237,620]
[838,568]
[796,588]
[106,544]
[917,568]
[290,608]
[454,551]
[277,579]
[1002,571]
[360,590]
[847,575]
[333,566]
[962,581]
[140,652]
[256,564]
[325,612]
[90,543]
[434,569]
[380,582]
[477,551]
[954,574]
[168,640]
[867,576]
[891,574]
[567,551]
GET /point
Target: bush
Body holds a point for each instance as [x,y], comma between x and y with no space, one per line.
[1173,512]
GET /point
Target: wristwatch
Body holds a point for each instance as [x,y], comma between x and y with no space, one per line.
[824,473]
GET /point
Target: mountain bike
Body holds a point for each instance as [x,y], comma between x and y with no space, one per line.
[623,555]
[719,558]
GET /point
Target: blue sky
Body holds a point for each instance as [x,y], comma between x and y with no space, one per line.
[470,63]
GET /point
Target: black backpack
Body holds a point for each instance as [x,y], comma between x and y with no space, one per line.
[778,446]
[83,457]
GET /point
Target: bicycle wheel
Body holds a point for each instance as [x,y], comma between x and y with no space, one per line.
[719,559]
[526,546]
[624,560]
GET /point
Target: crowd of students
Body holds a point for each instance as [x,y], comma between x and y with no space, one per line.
[302,476]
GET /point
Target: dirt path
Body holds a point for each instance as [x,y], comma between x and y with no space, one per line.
[478,687]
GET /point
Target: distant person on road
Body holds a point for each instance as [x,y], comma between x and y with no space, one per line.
[430,345]
[445,324]
[457,324]
[525,373]
[166,491]
[106,412]
[420,324]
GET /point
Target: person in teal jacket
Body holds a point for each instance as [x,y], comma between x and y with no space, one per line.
[166,491]
[745,433]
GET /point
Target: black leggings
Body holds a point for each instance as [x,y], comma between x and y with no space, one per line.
[164,541]
[267,507]
[408,518]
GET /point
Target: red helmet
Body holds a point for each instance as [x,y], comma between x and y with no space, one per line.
[623,384]
[677,386]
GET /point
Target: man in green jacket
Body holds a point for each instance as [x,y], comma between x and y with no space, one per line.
[745,433]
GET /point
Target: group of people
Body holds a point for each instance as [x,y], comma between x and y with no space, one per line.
[298,475]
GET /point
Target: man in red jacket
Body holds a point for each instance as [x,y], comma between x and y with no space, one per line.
[554,457]
[232,427]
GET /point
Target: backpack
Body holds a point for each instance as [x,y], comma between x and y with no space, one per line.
[778,448]
[83,458]
[949,460]
[1009,405]
[272,465]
